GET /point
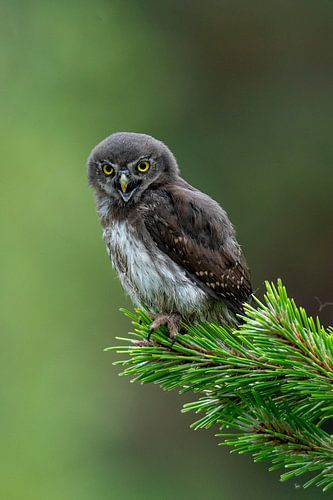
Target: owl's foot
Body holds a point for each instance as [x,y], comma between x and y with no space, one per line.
[172,321]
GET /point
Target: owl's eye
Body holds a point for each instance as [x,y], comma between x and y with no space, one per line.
[107,169]
[143,166]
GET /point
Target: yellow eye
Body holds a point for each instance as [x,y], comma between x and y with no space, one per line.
[143,166]
[107,169]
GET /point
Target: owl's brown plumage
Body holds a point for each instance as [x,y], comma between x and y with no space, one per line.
[173,246]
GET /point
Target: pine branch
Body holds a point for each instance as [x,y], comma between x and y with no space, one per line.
[271,381]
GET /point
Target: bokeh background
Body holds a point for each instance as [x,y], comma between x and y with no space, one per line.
[242,93]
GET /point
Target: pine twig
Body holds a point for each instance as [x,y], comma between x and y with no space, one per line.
[271,380]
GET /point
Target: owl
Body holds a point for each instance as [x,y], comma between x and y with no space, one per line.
[173,247]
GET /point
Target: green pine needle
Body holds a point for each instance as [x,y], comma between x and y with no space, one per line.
[271,381]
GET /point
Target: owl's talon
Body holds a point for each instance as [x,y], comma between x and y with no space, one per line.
[150,331]
[172,321]
[173,341]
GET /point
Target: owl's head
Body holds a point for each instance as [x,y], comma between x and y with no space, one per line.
[125,164]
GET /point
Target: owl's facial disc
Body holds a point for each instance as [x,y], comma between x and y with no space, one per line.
[126,185]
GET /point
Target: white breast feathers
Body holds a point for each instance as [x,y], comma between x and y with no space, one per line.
[148,275]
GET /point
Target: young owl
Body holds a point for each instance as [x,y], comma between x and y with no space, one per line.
[173,247]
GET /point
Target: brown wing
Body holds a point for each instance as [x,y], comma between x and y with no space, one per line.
[195,232]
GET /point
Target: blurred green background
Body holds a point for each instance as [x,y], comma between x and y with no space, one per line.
[242,93]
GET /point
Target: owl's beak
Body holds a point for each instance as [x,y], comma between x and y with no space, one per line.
[123,181]
[126,187]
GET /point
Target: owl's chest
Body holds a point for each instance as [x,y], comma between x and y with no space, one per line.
[126,249]
[149,276]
